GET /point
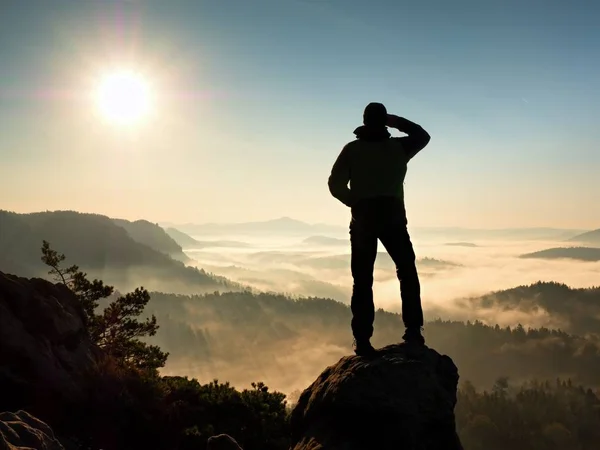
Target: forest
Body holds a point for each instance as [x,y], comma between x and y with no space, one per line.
[286,342]
[156,385]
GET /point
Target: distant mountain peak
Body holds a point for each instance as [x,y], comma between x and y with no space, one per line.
[286,219]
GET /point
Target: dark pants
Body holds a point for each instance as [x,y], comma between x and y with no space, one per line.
[382,218]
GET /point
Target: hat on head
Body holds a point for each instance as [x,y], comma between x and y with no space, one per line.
[375,115]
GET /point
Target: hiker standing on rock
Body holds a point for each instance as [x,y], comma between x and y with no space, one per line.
[375,166]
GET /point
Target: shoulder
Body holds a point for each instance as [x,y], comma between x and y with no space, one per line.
[350,147]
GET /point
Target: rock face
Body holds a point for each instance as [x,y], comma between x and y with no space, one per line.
[44,347]
[22,431]
[222,442]
[398,399]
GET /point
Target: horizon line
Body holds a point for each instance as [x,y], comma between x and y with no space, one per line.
[303,222]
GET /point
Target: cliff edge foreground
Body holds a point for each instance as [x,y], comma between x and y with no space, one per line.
[22,431]
[398,399]
[44,347]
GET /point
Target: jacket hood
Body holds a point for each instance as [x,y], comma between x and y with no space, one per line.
[367,133]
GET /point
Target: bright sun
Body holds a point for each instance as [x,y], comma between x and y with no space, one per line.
[123,97]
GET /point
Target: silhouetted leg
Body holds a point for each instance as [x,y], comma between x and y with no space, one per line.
[396,240]
[363,242]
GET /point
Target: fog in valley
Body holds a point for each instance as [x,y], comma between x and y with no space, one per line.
[449,272]
[285,340]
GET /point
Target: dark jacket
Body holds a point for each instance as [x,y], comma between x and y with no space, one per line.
[375,163]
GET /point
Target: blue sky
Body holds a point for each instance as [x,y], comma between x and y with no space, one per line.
[255,99]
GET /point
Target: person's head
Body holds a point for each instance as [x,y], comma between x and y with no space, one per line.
[375,115]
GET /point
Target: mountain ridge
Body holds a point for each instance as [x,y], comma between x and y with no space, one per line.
[152,235]
[590,237]
[98,245]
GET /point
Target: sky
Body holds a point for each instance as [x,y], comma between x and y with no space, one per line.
[252,101]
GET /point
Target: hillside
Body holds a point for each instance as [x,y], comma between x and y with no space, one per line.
[578,253]
[52,370]
[182,239]
[153,236]
[573,310]
[590,238]
[100,247]
[57,369]
[286,342]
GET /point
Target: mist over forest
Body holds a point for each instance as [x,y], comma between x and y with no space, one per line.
[271,305]
[528,317]
[269,301]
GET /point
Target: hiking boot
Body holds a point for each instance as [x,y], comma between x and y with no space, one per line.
[414,336]
[363,348]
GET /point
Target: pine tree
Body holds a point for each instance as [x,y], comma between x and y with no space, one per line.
[116,329]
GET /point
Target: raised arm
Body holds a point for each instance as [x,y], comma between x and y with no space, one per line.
[340,176]
[417,137]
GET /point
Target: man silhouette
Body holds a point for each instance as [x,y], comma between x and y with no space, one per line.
[375,165]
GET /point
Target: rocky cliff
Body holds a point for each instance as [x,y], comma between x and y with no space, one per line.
[44,348]
[397,399]
[22,431]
